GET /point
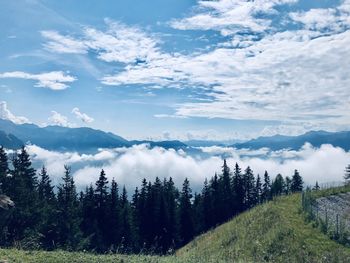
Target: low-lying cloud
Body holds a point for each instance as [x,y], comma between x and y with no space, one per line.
[130,165]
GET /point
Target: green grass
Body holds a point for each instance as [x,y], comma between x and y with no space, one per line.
[273,232]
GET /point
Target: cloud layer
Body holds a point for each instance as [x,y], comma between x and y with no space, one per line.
[130,165]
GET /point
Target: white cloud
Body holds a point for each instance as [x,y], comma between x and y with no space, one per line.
[130,165]
[63,44]
[119,43]
[55,80]
[82,116]
[59,120]
[6,114]
[230,17]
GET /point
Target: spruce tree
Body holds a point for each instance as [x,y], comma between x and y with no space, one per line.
[258,190]
[249,188]
[185,214]
[225,191]
[47,209]
[68,213]
[297,182]
[277,186]
[287,185]
[101,206]
[266,190]
[24,221]
[238,189]
[126,230]
[114,216]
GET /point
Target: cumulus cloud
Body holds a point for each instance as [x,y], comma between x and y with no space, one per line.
[82,116]
[6,114]
[130,165]
[59,120]
[54,80]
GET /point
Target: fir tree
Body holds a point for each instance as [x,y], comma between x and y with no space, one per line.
[250,195]
[266,190]
[258,190]
[47,209]
[316,187]
[68,213]
[185,214]
[277,186]
[238,189]
[297,182]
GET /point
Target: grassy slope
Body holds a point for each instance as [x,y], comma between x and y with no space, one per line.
[274,232]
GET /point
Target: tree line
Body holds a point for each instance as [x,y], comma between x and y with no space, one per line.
[157,218]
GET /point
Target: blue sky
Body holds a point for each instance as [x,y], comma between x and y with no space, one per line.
[177,69]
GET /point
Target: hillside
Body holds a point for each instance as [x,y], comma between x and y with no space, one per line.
[273,232]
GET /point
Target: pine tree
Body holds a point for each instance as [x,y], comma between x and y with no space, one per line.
[238,189]
[101,206]
[47,208]
[225,191]
[114,216]
[25,217]
[126,231]
[249,189]
[206,206]
[258,190]
[287,185]
[68,213]
[347,175]
[88,223]
[185,214]
[297,182]
[266,190]
[277,186]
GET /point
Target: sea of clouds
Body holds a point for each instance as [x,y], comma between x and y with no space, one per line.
[130,165]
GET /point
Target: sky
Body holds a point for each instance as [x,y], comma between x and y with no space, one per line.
[177,69]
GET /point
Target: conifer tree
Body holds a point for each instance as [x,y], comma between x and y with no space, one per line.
[185,214]
[114,216]
[206,206]
[47,209]
[101,206]
[238,189]
[225,191]
[258,190]
[249,189]
[277,186]
[68,213]
[266,190]
[287,185]
[25,216]
[126,231]
[297,182]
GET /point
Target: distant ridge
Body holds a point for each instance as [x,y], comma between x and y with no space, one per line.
[316,138]
[68,139]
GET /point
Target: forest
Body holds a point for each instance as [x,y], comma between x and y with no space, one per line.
[156,219]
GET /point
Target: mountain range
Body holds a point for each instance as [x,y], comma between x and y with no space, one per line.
[85,139]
